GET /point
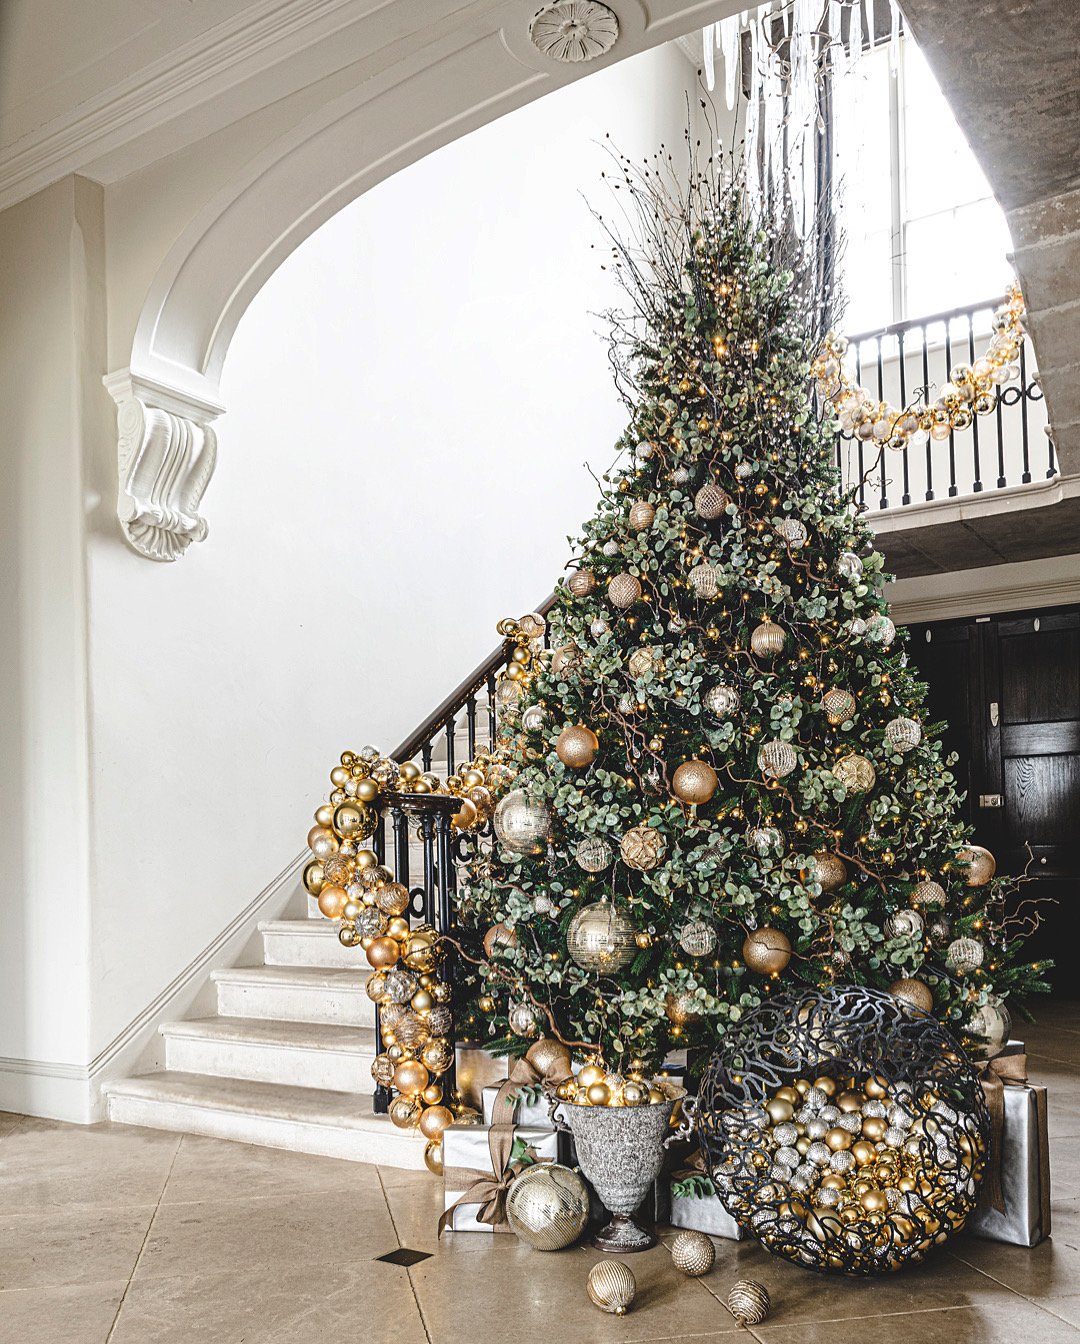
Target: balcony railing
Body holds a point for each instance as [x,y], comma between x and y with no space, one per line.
[907,362]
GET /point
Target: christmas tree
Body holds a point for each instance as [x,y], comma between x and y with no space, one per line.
[725,783]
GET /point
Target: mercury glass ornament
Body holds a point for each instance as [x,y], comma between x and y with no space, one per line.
[643,661]
[599,628]
[399,985]
[855,772]
[521,824]
[903,734]
[838,704]
[642,847]
[592,853]
[705,580]
[370,922]
[624,590]
[524,1020]
[767,639]
[601,938]
[981,865]
[764,840]
[880,630]
[965,955]
[645,449]
[929,895]
[989,1027]
[682,1007]
[721,700]
[547,1206]
[777,758]
[849,566]
[534,718]
[565,658]
[743,471]
[611,548]
[792,531]
[940,928]
[698,938]
[507,694]
[904,924]
[710,501]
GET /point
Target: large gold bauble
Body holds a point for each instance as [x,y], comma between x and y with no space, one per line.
[545,1053]
[582,583]
[767,639]
[828,870]
[642,847]
[601,938]
[855,772]
[915,992]
[929,895]
[393,899]
[383,953]
[548,1206]
[522,825]
[433,1158]
[352,821]
[767,951]
[421,950]
[499,936]
[710,501]
[838,704]
[624,590]
[434,1120]
[410,1077]
[693,1254]
[577,746]
[748,1302]
[981,865]
[483,800]
[694,782]
[314,878]
[332,900]
[438,1054]
[405,1112]
[641,515]
[611,1286]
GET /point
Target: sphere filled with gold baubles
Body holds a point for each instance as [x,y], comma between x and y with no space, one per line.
[855,773]
[981,865]
[611,1286]
[642,847]
[767,639]
[694,782]
[766,950]
[601,938]
[522,824]
[547,1206]
[624,590]
[693,1253]
[577,746]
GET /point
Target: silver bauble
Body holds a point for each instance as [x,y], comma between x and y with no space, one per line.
[989,1028]
[849,566]
[721,700]
[792,531]
[601,938]
[965,955]
[592,853]
[904,924]
[880,630]
[764,840]
[522,825]
[524,1020]
[903,734]
[698,938]
[777,758]
[767,639]
[705,579]
[534,718]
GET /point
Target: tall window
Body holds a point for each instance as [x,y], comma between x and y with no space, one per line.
[923,231]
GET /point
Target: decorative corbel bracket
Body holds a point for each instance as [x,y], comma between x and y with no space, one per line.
[166,456]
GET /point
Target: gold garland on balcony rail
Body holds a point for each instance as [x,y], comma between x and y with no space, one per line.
[971,390]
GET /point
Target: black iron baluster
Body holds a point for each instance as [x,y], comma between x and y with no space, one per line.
[1001,480]
[902,358]
[977,484]
[884,502]
[1051,466]
[378,840]
[451,728]
[491,710]
[426,753]
[954,489]
[926,393]
[444,916]
[1026,476]
[470,719]
[862,460]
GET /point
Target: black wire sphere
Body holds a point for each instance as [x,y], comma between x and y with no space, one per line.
[873,1150]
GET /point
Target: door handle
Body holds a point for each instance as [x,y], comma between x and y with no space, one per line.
[990,800]
[993,714]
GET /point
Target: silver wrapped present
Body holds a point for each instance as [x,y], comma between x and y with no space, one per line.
[1024,1219]
[702,1211]
[526,1105]
[479,1163]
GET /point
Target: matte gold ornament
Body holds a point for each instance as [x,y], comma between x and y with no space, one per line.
[722,701]
[405,1112]
[641,515]
[600,938]
[693,1254]
[838,704]
[981,865]
[915,992]
[710,501]
[642,848]
[434,1120]
[499,936]
[777,758]
[611,1286]
[624,590]
[748,1302]
[706,580]
[547,1206]
[582,583]
[694,782]
[577,746]
[522,825]
[855,772]
[332,900]
[767,639]
[929,895]
[829,871]
[592,854]
[433,1158]
[903,734]
[766,951]
[382,953]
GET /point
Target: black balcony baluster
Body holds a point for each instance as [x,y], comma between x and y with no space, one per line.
[977,484]
[1026,476]
[862,459]
[451,730]
[470,719]
[902,363]
[880,447]
[954,488]
[492,730]
[1001,480]
[929,440]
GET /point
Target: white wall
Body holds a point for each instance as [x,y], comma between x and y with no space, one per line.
[411,401]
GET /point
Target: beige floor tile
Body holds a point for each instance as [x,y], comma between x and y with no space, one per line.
[339,1303]
[258,1236]
[1015,1322]
[1040,1272]
[79,1314]
[69,1246]
[1068,1308]
[45,1163]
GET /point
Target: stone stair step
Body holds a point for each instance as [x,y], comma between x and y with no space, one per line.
[330,1124]
[300,1054]
[307,942]
[333,995]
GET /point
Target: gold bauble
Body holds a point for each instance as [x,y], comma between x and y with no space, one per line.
[313,877]
[338,870]
[433,1158]
[422,1001]
[421,949]
[339,777]
[565,658]
[432,1095]
[694,782]
[383,952]
[434,1120]
[411,1077]
[376,986]
[828,870]
[767,951]
[864,1152]
[466,817]
[641,515]
[393,899]
[748,1302]
[624,590]
[324,815]
[582,582]
[382,1070]
[405,1112]
[353,822]
[591,1073]
[710,501]
[332,900]
[915,992]
[322,842]
[855,772]
[599,1094]
[366,858]
[981,865]
[547,1206]
[438,1054]
[499,936]
[348,935]
[767,639]
[397,928]
[642,848]
[601,938]
[483,800]
[545,1053]
[367,791]
[611,1286]
[929,895]
[693,1254]
[839,704]
[681,1008]
[577,746]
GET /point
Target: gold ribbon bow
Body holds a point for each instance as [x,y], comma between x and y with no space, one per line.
[526,1074]
[487,1188]
[996,1072]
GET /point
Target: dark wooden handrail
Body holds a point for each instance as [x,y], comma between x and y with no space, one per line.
[458,698]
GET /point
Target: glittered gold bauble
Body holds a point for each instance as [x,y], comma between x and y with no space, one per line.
[577,746]
[642,847]
[338,870]
[643,661]
[521,824]
[393,899]
[546,1053]
[410,1077]
[332,900]
[382,1070]
[405,1112]
[766,951]
[681,1008]
[434,1120]
[912,991]
[547,1206]
[611,1286]
[838,704]
[767,639]
[748,1302]
[601,938]
[438,1055]
[383,952]
[694,782]
[314,878]
[706,580]
[499,936]
[352,821]
[641,515]
[981,865]
[582,583]
[693,1254]
[777,758]
[903,734]
[929,895]
[592,854]
[828,870]
[855,772]
[433,1158]
[624,590]
[710,501]
[440,1018]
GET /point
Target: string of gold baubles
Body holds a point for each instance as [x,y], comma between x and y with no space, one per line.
[971,390]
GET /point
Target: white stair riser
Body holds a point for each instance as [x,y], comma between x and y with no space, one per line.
[305,949]
[295,1003]
[392,1148]
[337,1071]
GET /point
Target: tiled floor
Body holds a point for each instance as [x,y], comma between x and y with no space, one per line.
[130,1236]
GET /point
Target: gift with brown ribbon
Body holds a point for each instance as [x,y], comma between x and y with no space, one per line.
[480,1163]
[1014,1202]
[511,1101]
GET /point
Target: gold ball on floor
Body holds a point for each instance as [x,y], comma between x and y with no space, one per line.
[748,1302]
[693,1253]
[433,1158]
[611,1286]
[548,1206]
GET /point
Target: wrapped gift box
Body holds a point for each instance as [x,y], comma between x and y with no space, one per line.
[1025,1174]
[702,1212]
[522,1106]
[477,1069]
[467,1158]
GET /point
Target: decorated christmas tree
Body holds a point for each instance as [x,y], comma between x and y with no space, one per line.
[725,783]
